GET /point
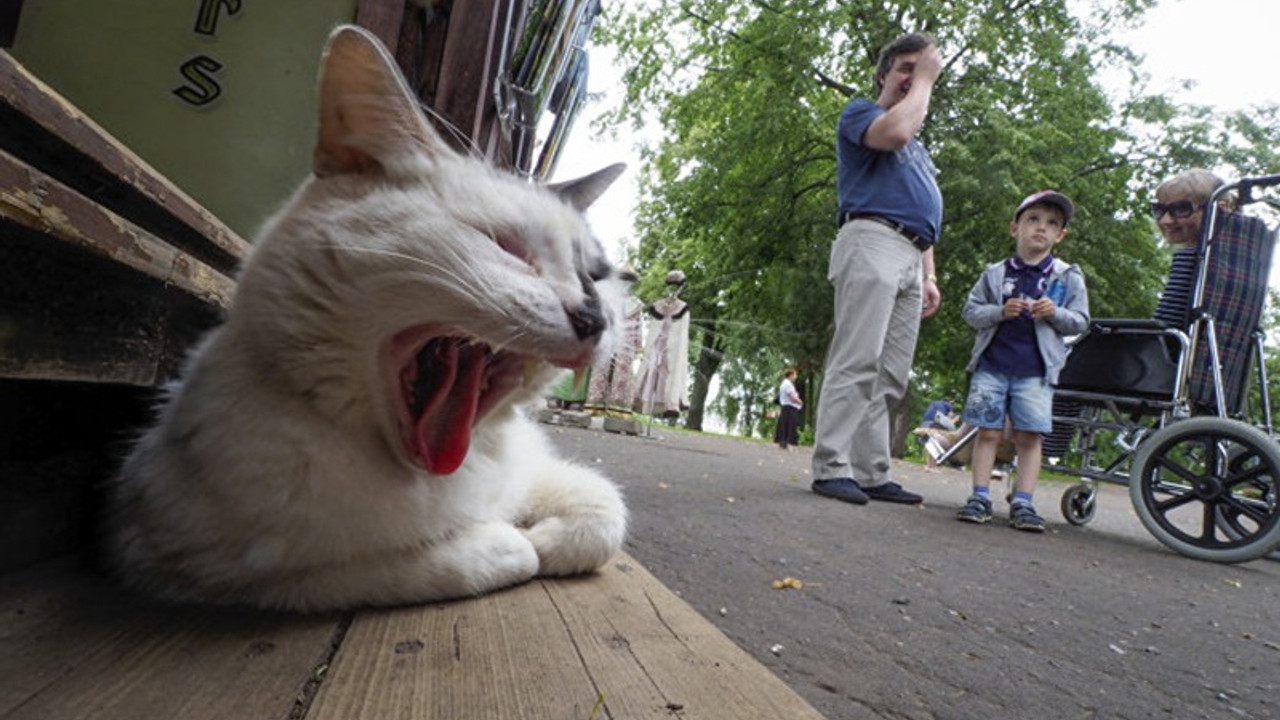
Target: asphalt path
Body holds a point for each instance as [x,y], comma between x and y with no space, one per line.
[906,613]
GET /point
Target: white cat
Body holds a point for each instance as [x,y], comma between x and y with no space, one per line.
[350,435]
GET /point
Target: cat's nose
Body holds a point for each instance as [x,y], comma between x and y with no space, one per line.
[586,322]
[587,317]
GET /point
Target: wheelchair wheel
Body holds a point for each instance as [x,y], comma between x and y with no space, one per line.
[1207,487]
[1228,520]
[1079,503]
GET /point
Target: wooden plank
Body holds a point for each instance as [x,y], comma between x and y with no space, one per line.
[382,18]
[468,63]
[68,314]
[48,132]
[614,645]
[505,655]
[639,640]
[432,41]
[73,647]
[30,198]
[552,649]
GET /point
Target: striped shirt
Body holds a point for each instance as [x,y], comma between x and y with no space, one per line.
[1175,301]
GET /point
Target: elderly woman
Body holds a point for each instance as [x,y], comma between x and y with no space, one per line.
[1235,289]
[1179,210]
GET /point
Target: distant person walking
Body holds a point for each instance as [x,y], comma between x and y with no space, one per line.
[787,433]
[882,271]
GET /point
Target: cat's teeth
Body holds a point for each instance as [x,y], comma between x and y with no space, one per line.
[406,384]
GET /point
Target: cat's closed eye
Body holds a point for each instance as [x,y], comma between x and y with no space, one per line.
[600,270]
[513,244]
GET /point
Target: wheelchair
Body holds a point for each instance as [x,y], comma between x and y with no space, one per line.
[1172,411]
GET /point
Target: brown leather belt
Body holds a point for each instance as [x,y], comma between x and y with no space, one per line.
[920,243]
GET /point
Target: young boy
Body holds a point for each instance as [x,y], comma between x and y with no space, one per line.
[1021,307]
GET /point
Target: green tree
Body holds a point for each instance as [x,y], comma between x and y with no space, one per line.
[740,192]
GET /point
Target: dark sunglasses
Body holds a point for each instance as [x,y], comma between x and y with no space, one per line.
[1180,209]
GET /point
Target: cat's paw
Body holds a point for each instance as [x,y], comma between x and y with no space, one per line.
[561,551]
[582,538]
[490,556]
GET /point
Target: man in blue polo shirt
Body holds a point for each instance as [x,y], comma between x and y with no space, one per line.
[882,271]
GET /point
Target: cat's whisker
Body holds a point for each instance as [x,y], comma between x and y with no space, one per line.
[519,334]
[470,283]
[473,149]
[468,279]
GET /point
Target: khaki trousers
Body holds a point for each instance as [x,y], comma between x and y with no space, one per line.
[876,274]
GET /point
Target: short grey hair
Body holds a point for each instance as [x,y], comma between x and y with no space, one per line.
[904,45]
[1197,184]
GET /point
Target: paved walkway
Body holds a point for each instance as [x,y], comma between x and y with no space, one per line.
[906,613]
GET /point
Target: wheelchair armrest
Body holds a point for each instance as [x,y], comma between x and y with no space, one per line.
[1105,325]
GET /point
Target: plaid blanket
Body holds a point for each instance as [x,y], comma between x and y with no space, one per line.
[1235,291]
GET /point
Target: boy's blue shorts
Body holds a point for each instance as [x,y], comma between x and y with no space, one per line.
[1028,402]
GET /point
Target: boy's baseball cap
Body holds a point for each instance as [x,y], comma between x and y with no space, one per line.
[1049,197]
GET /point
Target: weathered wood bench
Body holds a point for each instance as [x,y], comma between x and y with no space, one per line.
[74,204]
[107,273]
[616,644]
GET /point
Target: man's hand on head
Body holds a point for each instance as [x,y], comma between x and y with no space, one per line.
[929,65]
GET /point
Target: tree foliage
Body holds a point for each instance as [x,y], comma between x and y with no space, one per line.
[740,192]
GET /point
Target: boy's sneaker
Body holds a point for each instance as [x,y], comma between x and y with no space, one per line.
[1023,517]
[977,509]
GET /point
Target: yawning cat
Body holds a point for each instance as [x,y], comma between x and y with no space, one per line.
[351,434]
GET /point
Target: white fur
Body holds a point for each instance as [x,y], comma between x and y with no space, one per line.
[277,474]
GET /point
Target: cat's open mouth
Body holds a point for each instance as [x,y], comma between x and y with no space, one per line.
[448,385]
[445,384]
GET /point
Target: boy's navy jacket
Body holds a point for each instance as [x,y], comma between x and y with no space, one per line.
[985,306]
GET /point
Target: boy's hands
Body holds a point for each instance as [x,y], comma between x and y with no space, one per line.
[1038,308]
[1043,308]
[1013,307]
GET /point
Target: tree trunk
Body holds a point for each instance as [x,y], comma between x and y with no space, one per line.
[900,426]
[708,362]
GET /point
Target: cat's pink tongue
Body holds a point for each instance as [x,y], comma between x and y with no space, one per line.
[444,430]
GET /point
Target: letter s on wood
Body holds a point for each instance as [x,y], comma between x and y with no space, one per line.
[202,87]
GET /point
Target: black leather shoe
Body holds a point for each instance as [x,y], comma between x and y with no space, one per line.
[891,492]
[844,489]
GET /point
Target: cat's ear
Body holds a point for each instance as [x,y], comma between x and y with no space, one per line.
[369,117]
[582,192]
